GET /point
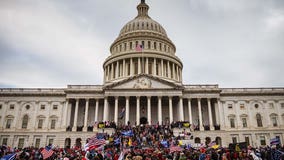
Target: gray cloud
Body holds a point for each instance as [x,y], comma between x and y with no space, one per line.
[233,43]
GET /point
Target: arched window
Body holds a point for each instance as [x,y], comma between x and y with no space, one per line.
[258,120]
[197,140]
[25,121]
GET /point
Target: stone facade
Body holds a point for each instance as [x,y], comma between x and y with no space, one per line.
[142,77]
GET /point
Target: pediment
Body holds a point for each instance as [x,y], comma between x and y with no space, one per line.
[143,82]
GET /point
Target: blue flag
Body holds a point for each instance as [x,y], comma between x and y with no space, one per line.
[127,133]
[117,141]
[122,113]
[9,157]
[165,143]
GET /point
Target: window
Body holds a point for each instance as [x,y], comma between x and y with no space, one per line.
[232,122]
[28,107]
[130,45]
[155,45]
[52,125]
[244,121]
[55,107]
[50,141]
[42,107]
[242,106]
[9,123]
[12,106]
[256,106]
[21,142]
[258,120]
[25,122]
[37,143]
[124,46]
[282,105]
[4,141]
[143,44]
[234,139]
[262,140]
[40,123]
[271,105]
[0,106]
[247,140]
[149,45]
[230,106]
[274,121]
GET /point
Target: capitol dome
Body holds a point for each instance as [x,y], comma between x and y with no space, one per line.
[142,47]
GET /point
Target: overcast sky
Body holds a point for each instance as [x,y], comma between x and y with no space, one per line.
[53,43]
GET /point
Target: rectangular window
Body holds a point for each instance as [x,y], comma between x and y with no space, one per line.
[52,125]
[0,106]
[55,107]
[8,123]
[130,45]
[274,121]
[242,106]
[271,105]
[262,140]
[40,123]
[4,141]
[244,120]
[21,142]
[230,106]
[50,141]
[149,45]
[282,105]
[247,140]
[37,143]
[155,45]
[12,106]
[232,122]
[234,139]
[42,107]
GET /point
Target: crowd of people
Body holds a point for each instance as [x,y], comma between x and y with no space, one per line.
[145,142]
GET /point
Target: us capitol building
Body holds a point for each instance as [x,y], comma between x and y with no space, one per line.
[143,77]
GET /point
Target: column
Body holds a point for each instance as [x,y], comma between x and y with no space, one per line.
[238,119]
[181,114]
[131,67]
[137,110]
[106,110]
[126,110]
[160,110]
[222,121]
[200,115]
[76,116]
[108,72]
[86,115]
[171,109]
[97,110]
[65,113]
[180,73]
[173,70]
[116,110]
[217,112]
[162,67]
[190,111]
[177,74]
[155,68]
[210,114]
[146,66]
[149,110]
[123,68]
[117,69]
[112,71]
[4,109]
[139,66]
[169,69]
[105,73]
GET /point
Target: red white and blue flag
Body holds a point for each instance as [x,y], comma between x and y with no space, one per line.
[94,142]
[47,152]
[139,48]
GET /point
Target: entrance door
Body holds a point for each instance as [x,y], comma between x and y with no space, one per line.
[143,120]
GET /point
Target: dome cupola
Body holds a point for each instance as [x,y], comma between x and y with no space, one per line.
[142,47]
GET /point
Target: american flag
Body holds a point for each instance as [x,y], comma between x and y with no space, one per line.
[47,152]
[139,48]
[95,141]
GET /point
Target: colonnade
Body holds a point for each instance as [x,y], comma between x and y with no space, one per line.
[179,107]
[147,65]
